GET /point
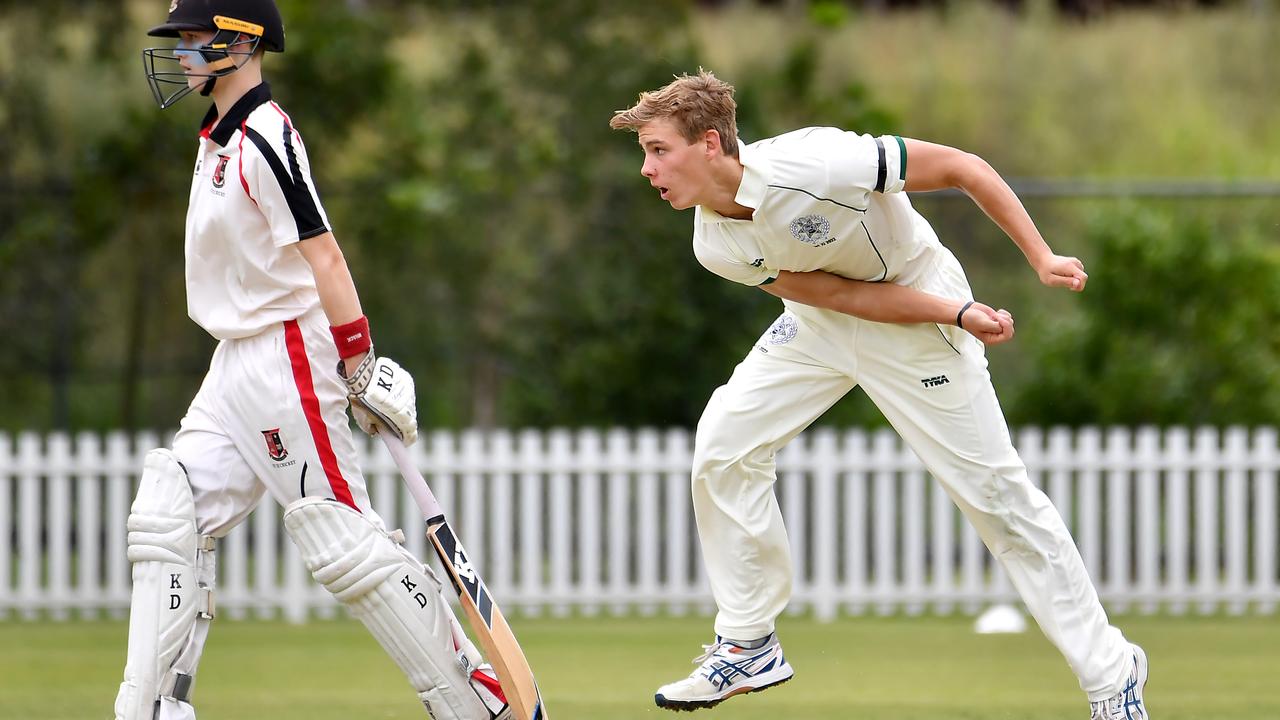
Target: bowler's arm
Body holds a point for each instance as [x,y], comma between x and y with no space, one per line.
[938,167]
[889,303]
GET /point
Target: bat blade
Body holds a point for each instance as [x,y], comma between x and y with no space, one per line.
[496,638]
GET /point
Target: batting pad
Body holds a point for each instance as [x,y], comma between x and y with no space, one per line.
[172,603]
[395,596]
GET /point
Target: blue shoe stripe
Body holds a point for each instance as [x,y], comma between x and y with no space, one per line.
[1131,700]
[723,673]
[726,671]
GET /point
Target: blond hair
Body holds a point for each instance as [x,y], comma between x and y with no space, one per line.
[693,103]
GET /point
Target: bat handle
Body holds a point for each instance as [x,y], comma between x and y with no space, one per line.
[413,479]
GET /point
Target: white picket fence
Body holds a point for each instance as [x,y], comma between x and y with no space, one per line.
[587,521]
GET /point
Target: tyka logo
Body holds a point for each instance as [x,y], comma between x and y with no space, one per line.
[220,172]
[935,381]
[275,446]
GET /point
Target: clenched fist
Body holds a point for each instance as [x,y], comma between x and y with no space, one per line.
[990,326]
[1062,271]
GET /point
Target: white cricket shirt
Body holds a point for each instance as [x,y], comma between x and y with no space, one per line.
[252,199]
[824,199]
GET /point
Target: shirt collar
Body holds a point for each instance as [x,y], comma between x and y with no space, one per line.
[235,116]
[754,185]
[755,177]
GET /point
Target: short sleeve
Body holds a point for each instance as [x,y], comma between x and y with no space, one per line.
[740,270]
[874,164]
[277,176]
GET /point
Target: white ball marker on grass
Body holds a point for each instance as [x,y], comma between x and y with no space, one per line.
[998,619]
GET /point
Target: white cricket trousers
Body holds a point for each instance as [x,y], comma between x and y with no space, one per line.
[931,383]
[271,416]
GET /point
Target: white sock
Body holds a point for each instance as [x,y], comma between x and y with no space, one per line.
[751,644]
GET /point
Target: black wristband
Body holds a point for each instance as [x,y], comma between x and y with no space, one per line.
[960,315]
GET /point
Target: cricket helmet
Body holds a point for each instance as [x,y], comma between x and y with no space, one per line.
[230,21]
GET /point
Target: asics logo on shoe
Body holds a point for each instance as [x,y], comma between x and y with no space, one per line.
[1132,703]
[726,670]
[1126,704]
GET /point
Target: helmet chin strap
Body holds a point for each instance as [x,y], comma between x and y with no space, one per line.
[207,88]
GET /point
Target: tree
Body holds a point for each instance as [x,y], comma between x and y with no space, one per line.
[1176,327]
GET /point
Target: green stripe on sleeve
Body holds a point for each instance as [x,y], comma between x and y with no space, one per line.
[902,169]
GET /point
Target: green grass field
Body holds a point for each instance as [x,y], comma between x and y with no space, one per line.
[866,668]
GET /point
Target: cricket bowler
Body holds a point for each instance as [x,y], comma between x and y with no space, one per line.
[819,217]
[266,277]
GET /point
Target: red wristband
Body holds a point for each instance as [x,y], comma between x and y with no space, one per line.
[352,338]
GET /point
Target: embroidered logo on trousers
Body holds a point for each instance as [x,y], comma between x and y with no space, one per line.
[935,381]
[783,330]
[275,446]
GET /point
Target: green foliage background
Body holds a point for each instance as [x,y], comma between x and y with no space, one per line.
[509,254]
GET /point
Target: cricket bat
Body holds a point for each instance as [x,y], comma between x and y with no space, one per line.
[486,620]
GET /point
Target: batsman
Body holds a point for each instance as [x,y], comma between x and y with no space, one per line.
[267,279]
[819,217]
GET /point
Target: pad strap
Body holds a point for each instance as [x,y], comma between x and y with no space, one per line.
[178,682]
[171,599]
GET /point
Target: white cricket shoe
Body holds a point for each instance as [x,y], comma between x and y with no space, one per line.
[725,670]
[1127,704]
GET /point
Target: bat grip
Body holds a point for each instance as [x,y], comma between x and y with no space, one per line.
[413,479]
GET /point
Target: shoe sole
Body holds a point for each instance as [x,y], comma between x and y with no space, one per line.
[691,705]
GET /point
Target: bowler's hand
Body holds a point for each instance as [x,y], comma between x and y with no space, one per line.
[990,326]
[1062,271]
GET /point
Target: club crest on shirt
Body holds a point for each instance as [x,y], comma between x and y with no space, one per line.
[220,172]
[783,330]
[811,229]
[275,446]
